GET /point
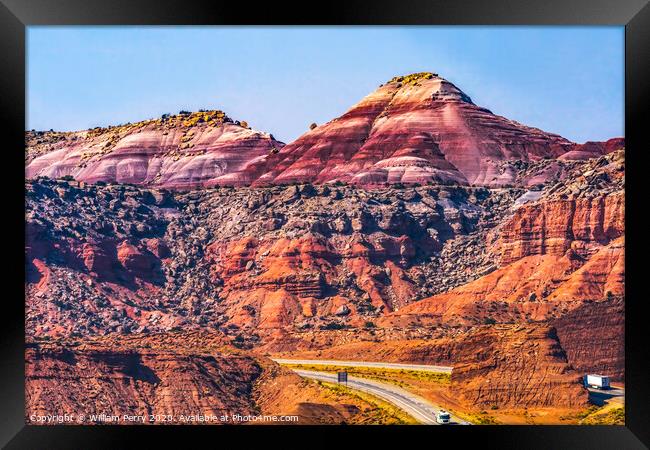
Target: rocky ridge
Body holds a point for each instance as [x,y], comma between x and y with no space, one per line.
[509,366]
[556,248]
[159,259]
[183,151]
[415,129]
[301,256]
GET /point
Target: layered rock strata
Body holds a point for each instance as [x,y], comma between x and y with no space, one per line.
[184,151]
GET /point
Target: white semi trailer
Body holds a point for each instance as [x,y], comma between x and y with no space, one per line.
[597,381]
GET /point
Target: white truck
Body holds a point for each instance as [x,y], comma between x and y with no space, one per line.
[443,417]
[597,381]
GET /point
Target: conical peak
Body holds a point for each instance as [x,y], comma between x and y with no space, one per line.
[413,78]
[438,87]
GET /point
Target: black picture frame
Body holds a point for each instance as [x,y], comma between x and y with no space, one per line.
[16,15]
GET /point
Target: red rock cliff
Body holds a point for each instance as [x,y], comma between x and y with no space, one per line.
[593,337]
[513,366]
[552,227]
[136,382]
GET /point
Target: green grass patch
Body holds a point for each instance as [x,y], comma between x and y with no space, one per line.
[380,412]
[614,416]
[482,418]
[394,376]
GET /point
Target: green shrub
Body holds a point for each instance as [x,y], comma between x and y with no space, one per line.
[332,326]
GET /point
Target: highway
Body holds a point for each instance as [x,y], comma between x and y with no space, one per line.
[615,395]
[379,365]
[417,407]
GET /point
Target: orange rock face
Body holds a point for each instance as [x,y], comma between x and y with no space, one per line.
[168,376]
[555,226]
[593,337]
[603,275]
[111,381]
[534,287]
[516,366]
[96,260]
[271,284]
[512,366]
[140,263]
[266,262]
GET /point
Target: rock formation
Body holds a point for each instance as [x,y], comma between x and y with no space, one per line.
[414,129]
[494,366]
[184,151]
[416,227]
[556,247]
[178,378]
[592,337]
[136,382]
[418,128]
[553,227]
[260,259]
[511,366]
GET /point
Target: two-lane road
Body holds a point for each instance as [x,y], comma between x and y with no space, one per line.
[417,407]
[378,365]
[599,397]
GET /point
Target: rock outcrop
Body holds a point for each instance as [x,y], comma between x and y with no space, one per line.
[556,248]
[513,366]
[593,337]
[184,151]
[494,366]
[182,378]
[137,382]
[593,149]
[258,262]
[555,226]
[581,210]
[536,287]
[258,259]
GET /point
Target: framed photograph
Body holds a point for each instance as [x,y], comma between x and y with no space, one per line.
[385,220]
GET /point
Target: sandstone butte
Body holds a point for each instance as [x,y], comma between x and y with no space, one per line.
[418,128]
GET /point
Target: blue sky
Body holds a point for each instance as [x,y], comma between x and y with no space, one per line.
[566,80]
